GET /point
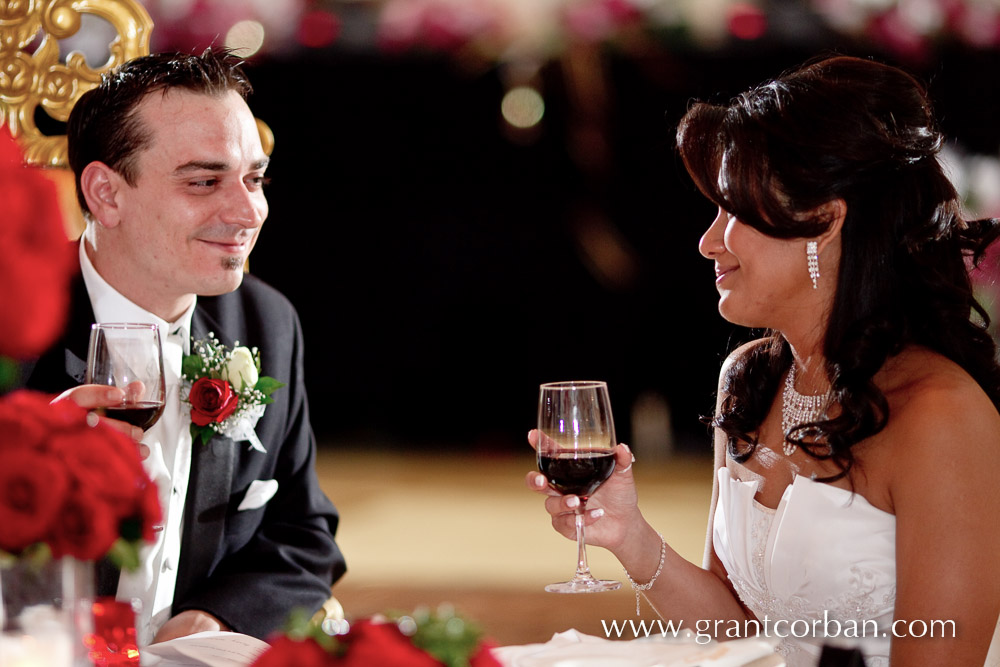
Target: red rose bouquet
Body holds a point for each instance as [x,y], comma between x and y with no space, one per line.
[423,639]
[70,488]
[226,391]
[36,260]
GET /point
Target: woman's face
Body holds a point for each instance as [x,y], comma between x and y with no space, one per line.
[762,281]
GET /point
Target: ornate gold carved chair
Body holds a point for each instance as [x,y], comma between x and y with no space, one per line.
[35,78]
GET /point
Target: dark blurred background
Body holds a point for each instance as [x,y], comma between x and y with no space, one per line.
[445,261]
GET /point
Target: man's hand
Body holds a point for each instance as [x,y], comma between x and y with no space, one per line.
[96,396]
[187,623]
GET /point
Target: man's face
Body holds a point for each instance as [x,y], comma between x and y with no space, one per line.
[188,224]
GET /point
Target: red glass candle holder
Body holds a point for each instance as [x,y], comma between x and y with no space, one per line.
[113,641]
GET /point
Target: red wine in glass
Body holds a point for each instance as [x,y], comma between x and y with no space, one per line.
[576,445]
[140,413]
[577,472]
[129,356]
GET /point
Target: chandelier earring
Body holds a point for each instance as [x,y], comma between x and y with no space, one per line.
[812,261]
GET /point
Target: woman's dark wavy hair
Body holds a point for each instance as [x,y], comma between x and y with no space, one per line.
[863,132]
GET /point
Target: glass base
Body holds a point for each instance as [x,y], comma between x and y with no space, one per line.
[584,585]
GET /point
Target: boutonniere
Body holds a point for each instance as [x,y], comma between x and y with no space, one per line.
[226,391]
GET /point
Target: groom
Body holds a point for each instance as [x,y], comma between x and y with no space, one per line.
[169,171]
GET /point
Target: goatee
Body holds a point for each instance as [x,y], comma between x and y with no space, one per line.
[232,263]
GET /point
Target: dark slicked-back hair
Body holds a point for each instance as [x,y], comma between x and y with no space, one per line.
[863,132]
[103,125]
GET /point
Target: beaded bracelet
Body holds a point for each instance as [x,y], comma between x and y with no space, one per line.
[641,588]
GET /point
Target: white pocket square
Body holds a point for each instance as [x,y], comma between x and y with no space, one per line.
[260,491]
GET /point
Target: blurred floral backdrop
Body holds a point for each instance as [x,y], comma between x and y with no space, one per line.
[450,174]
[512,29]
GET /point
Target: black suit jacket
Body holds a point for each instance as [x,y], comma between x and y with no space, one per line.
[248,568]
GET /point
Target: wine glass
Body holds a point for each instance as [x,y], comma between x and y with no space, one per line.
[130,357]
[576,453]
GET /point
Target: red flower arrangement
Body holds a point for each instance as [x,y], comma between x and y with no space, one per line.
[36,259]
[69,487]
[423,639]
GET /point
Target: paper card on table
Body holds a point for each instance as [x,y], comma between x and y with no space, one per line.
[204,649]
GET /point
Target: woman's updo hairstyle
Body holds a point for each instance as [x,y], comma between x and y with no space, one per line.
[851,129]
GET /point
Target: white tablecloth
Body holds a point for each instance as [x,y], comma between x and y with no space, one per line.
[575,649]
[565,649]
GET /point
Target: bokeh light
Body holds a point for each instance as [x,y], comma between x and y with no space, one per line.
[746,21]
[318,29]
[522,107]
[245,37]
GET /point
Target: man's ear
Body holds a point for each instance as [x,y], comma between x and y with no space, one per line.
[100,185]
[834,211]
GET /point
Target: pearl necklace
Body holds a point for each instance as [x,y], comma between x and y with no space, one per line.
[798,409]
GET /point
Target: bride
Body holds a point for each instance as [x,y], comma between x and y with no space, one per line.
[857,443]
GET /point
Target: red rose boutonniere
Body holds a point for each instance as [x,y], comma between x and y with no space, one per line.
[212,401]
[226,391]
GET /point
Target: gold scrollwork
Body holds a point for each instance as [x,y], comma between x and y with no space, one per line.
[29,79]
[16,72]
[33,77]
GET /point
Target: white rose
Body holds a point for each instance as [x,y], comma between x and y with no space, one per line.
[240,369]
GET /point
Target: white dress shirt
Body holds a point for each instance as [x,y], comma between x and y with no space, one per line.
[169,461]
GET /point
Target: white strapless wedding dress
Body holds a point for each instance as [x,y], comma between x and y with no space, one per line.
[820,568]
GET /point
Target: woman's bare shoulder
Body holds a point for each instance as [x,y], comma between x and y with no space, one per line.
[921,384]
[937,413]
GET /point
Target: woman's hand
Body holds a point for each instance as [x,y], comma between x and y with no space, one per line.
[612,512]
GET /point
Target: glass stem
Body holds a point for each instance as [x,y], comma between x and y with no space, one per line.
[582,569]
